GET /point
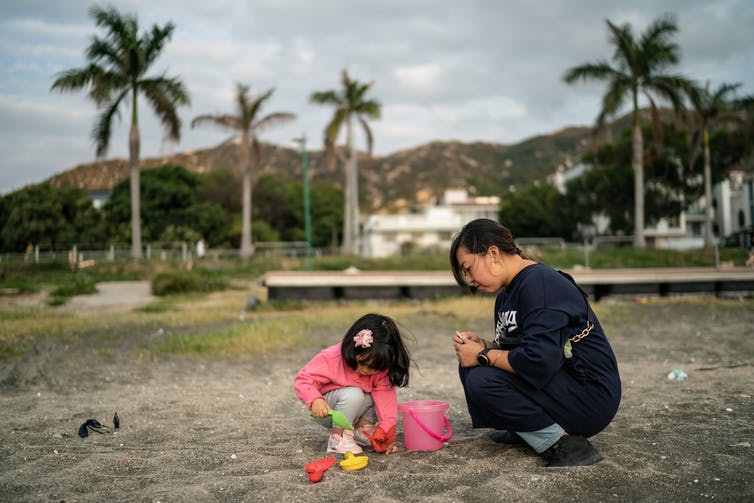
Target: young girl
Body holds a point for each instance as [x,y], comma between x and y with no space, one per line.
[358,377]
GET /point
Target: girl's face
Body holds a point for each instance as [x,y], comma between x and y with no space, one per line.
[362,366]
[477,270]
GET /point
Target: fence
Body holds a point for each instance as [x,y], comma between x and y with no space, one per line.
[86,255]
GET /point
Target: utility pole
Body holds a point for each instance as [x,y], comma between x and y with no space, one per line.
[307,211]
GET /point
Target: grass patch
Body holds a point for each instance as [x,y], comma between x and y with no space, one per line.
[317,326]
[9,350]
[238,340]
[162,306]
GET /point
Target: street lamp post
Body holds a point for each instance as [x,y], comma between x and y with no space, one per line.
[307,210]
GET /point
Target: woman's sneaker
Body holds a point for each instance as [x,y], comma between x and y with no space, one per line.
[572,450]
[342,443]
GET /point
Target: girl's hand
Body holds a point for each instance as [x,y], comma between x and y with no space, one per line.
[381,440]
[319,407]
[392,448]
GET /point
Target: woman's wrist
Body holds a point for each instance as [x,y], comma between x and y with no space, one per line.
[499,354]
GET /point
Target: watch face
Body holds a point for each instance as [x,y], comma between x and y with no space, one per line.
[482,359]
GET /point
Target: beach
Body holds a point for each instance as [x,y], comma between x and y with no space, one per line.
[231,429]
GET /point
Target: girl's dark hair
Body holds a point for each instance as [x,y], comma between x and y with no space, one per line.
[477,236]
[387,351]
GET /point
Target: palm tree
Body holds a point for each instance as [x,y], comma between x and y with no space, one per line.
[349,104]
[249,124]
[710,108]
[116,72]
[639,64]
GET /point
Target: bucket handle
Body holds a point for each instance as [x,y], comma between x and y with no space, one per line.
[441,438]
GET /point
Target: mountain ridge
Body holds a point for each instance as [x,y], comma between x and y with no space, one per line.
[393,182]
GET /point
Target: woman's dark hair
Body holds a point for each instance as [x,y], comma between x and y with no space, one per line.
[386,352]
[477,236]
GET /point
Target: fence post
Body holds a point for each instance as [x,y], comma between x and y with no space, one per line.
[36,254]
[717,256]
[149,251]
[586,254]
[111,255]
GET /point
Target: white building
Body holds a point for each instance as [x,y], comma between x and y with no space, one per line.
[733,200]
[429,227]
[733,203]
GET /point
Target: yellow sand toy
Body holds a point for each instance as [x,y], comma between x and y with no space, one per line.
[352,463]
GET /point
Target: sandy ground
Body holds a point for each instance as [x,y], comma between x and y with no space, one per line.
[206,430]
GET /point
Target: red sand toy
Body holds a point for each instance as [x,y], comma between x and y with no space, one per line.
[317,468]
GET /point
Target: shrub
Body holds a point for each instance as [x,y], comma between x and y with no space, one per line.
[79,284]
[172,282]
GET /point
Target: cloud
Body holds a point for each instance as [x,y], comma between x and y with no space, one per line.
[473,70]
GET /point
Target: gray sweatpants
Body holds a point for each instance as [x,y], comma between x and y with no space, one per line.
[354,402]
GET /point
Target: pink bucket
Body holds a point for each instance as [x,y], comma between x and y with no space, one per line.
[424,424]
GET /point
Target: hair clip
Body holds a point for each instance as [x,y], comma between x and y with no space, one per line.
[364,338]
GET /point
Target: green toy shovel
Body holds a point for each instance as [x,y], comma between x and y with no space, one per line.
[339,419]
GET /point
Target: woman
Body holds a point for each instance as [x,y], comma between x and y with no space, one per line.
[549,378]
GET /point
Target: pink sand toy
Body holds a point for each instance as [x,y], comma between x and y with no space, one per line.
[424,424]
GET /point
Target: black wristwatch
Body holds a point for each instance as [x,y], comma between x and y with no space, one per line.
[482,358]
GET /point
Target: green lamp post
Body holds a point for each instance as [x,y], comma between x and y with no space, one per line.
[307,210]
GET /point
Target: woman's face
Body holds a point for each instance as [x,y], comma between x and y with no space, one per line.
[477,270]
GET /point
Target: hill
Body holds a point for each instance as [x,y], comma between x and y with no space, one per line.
[388,183]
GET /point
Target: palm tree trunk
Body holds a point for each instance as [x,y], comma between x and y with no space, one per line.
[348,199]
[133,157]
[637,162]
[355,220]
[709,240]
[246,247]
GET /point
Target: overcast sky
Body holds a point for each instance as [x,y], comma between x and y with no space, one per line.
[468,70]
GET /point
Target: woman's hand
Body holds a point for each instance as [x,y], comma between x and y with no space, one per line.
[319,407]
[463,337]
[467,346]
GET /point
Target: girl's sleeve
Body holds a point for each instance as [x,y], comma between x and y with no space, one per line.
[310,379]
[385,403]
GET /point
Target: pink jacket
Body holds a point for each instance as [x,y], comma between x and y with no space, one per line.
[327,371]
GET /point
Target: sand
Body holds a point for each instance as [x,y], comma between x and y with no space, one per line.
[200,429]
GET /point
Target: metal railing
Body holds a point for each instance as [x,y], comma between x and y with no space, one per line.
[89,254]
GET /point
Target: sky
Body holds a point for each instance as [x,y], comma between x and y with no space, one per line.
[471,70]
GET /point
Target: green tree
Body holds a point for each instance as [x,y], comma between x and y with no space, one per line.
[746,106]
[54,218]
[350,104]
[172,207]
[537,210]
[275,203]
[278,202]
[600,189]
[327,213]
[638,68]
[249,124]
[222,187]
[116,72]
[711,109]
